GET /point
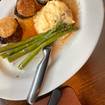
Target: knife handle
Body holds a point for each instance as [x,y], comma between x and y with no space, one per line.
[38,78]
[55,97]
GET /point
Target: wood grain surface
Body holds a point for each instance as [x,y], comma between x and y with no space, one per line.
[89,82]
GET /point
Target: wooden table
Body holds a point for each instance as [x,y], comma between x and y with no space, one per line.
[89,82]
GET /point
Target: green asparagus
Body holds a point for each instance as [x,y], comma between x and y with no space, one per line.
[49,41]
[34,44]
[10,46]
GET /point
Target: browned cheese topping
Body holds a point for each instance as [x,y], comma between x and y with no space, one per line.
[50,14]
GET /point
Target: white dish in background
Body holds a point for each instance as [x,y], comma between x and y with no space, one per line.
[71,58]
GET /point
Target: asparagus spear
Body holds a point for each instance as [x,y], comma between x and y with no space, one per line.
[28,59]
[22,43]
[36,41]
[22,50]
[10,46]
[26,50]
[35,44]
[23,64]
[34,52]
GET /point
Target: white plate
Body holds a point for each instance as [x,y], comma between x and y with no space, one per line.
[71,58]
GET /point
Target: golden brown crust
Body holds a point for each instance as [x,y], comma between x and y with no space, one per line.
[25,8]
[11,32]
[15,37]
[8,26]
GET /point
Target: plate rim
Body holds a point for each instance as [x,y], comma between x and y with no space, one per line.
[85,60]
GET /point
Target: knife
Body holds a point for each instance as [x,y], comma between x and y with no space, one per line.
[55,97]
[38,77]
